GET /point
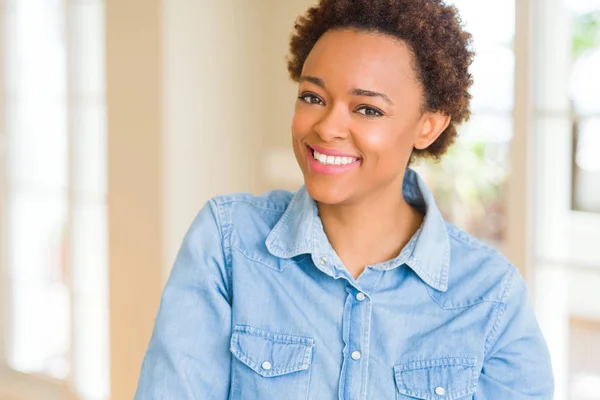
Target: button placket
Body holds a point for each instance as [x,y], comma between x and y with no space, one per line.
[356,332]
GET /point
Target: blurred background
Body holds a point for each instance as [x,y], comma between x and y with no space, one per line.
[120,118]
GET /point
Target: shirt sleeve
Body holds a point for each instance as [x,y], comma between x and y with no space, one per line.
[517,363]
[188,356]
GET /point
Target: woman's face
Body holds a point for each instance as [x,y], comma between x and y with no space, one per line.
[358,116]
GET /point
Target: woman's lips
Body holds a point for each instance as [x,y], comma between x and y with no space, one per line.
[330,162]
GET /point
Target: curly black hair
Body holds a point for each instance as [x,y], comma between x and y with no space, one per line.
[433,31]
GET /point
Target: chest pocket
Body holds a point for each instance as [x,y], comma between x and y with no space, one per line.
[269,365]
[439,379]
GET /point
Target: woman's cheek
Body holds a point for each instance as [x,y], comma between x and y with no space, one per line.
[300,123]
[375,140]
[385,143]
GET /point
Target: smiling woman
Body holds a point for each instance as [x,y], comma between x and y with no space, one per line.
[354,286]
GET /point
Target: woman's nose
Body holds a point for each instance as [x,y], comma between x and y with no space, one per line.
[333,125]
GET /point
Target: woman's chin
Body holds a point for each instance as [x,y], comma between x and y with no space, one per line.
[326,193]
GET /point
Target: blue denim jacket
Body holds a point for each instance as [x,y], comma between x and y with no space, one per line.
[259,306]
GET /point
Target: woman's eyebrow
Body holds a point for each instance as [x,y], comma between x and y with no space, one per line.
[313,79]
[371,93]
[355,92]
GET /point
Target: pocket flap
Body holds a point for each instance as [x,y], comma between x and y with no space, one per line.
[269,353]
[445,378]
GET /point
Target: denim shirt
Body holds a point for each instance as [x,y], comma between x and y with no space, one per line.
[259,306]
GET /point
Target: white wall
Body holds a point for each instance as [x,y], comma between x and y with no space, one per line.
[228,104]
[280,19]
[213,105]
[279,165]
[135,182]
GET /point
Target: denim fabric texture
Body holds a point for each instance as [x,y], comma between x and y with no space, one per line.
[259,306]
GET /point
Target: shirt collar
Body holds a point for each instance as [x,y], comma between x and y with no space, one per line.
[299,231]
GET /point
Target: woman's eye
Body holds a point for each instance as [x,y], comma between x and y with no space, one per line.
[369,111]
[311,99]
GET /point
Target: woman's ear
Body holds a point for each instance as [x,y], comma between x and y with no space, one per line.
[433,126]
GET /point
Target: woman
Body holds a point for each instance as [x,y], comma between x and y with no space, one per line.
[354,287]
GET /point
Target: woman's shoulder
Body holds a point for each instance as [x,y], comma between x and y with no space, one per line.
[245,219]
[459,238]
[273,200]
[479,271]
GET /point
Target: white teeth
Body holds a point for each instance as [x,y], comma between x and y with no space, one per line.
[332,160]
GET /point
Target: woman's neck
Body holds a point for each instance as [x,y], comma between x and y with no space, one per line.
[370,231]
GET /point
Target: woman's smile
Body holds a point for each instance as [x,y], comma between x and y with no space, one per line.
[330,161]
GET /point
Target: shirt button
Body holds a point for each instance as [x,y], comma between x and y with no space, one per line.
[267,365]
[356,355]
[323,261]
[440,391]
[360,296]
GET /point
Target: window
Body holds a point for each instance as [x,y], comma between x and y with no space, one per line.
[55,308]
[585,87]
[37,198]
